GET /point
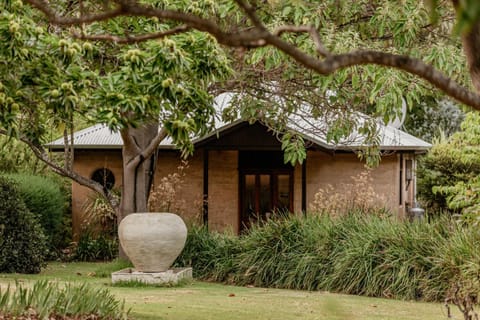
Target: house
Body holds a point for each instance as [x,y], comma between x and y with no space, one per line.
[237,172]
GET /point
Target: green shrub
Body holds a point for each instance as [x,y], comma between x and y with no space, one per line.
[355,254]
[91,247]
[22,242]
[447,175]
[383,258]
[45,199]
[211,253]
[47,300]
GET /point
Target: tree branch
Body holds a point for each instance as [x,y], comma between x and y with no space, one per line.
[152,147]
[66,150]
[259,36]
[132,39]
[402,62]
[53,17]
[248,38]
[313,34]
[251,13]
[42,155]
[147,152]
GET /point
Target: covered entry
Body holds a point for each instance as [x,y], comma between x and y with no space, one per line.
[265,186]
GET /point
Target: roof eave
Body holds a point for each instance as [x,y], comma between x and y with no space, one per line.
[422,149]
[100,147]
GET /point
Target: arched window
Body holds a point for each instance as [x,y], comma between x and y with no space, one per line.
[105,177]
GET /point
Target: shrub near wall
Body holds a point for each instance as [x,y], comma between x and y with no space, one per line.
[354,254]
[22,243]
[44,198]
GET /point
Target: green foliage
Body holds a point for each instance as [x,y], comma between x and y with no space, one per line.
[211,254]
[293,147]
[444,116]
[17,157]
[46,85]
[447,178]
[47,299]
[23,245]
[168,79]
[353,254]
[165,78]
[92,247]
[45,199]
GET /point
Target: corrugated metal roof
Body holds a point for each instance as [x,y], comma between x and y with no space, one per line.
[100,137]
[390,138]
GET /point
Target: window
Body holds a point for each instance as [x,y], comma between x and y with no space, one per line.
[105,177]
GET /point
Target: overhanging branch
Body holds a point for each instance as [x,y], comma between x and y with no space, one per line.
[132,39]
[53,17]
[258,36]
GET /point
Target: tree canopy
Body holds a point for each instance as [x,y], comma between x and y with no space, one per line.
[50,80]
[370,54]
[148,68]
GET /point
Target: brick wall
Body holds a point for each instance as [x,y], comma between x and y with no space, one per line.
[187,202]
[223,183]
[223,191]
[86,162]
[337,170]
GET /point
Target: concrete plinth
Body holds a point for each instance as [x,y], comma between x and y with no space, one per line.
[171,276]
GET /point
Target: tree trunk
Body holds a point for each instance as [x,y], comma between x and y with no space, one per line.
[471,47]
[137,171]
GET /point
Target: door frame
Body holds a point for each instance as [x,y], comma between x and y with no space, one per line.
[273,173]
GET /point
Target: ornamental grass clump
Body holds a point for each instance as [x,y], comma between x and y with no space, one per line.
[353,253]
[212,254]
[47,300]
[456,263]
[383,258]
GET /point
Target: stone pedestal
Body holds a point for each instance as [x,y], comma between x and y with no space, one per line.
[171,276]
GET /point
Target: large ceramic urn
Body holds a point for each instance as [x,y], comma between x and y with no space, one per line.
[152,241]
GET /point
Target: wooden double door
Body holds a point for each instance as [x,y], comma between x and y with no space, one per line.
[265,191]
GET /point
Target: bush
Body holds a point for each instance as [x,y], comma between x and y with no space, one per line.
[22,242]
[46,201]
[91,247]
[447,176]
[354,254]
[211,253]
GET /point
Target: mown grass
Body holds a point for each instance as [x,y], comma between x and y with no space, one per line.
[203,300]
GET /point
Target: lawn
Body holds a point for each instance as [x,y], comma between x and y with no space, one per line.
[201,300]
